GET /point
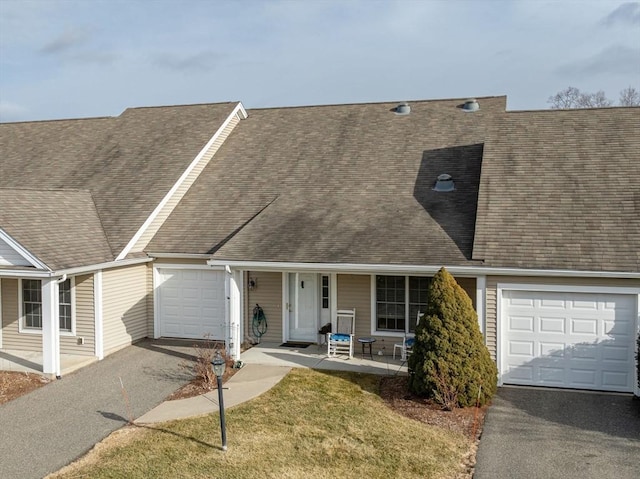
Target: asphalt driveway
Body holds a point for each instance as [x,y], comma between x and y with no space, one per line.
[543,433]
[52,426]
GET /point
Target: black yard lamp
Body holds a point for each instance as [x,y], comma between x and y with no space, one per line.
[218,369]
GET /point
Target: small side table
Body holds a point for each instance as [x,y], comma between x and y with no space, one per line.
[364,342]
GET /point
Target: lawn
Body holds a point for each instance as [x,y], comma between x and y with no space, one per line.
[311,425]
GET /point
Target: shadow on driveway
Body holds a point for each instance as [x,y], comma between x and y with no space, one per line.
[536,432]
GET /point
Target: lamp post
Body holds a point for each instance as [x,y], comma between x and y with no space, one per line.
[218,365]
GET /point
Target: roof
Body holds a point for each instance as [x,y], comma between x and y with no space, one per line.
[62,226]
[127,163]
[561,190]
[338,184]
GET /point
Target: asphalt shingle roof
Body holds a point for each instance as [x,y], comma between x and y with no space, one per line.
[62,226]
[340,183]
[127,163]
[561,189]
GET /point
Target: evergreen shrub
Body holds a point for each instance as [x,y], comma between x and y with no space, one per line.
[450,362]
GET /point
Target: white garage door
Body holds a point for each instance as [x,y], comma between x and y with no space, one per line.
[569,340]
[191,303]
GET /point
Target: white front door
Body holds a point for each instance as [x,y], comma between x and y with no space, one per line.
[303,307]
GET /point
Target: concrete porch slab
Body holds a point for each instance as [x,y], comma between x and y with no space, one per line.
[315,357]
[31,361]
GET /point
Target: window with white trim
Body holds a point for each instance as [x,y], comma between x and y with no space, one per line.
[398,300]
[32,305]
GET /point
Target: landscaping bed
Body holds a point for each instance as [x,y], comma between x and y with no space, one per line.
[14,384]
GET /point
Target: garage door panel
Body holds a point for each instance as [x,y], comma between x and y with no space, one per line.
[573,340]
[191,303]
[552,325]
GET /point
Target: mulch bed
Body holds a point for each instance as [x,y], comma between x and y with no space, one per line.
[15,384]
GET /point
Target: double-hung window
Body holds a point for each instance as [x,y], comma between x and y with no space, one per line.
[398,301]
[32,305]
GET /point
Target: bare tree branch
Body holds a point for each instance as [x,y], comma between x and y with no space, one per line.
[629,97]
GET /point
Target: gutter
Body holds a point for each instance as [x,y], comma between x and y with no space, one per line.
[408,269]
[23,273]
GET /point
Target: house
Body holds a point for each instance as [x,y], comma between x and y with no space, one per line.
[176,221]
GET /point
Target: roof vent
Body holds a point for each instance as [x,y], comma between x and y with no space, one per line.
[471,105]
[403,109]
[444,183]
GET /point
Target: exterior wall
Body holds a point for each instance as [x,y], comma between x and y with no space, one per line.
[491,298]
[85,321]
[268,295]
[164,213]
[11,337]
[83,314]
[125,314]
[9,256]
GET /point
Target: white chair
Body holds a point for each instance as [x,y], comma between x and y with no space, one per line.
[341,340]
[406,346]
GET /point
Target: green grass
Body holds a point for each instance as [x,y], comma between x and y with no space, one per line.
[311,425]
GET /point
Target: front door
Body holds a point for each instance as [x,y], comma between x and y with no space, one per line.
[303,307]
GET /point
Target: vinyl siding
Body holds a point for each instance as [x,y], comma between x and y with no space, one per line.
[9,256]
[11,337]
[83,316]
[492,306]
[125,316]
[164,213]
[268,295]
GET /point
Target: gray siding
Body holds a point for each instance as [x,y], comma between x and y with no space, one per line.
[268,295]
[125,316]
[8,256]
[492,306]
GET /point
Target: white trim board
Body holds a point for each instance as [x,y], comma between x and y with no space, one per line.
[237,111]
[21,251]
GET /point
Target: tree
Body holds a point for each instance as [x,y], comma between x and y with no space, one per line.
[572,97]
[450,362]
[629,97]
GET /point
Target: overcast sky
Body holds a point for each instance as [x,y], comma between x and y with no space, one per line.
[82,58]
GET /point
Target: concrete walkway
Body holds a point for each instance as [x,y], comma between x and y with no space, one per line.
[249,382]
[52,426]
[532,433]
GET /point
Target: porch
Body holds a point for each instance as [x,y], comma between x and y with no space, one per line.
[315,356]
[31,361]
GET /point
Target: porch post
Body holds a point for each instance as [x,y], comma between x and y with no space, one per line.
[50,328]
[235,309]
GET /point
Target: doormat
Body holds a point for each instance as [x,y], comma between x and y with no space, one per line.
[295,345]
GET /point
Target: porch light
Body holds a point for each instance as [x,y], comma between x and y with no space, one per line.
[219,366]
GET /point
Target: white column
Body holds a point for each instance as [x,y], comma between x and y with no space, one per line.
[333,299]
[97,312]
[50,328]
[235,309]
[481,290]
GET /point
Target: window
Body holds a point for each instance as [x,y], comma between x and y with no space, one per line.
[325,292]
[32,305]
[398,300]
[64,295]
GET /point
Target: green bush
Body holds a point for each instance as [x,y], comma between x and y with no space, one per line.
[450,362]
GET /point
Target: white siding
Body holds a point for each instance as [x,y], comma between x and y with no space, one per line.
[10,257]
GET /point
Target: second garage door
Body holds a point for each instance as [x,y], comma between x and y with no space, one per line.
[570,340]
[191,303]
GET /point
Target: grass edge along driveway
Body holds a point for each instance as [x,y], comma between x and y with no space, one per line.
[312,424]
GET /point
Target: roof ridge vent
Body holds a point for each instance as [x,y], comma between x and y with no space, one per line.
[402,109]
[471,105]
[444,183]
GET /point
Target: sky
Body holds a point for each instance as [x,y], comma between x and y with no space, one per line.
[88,58]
